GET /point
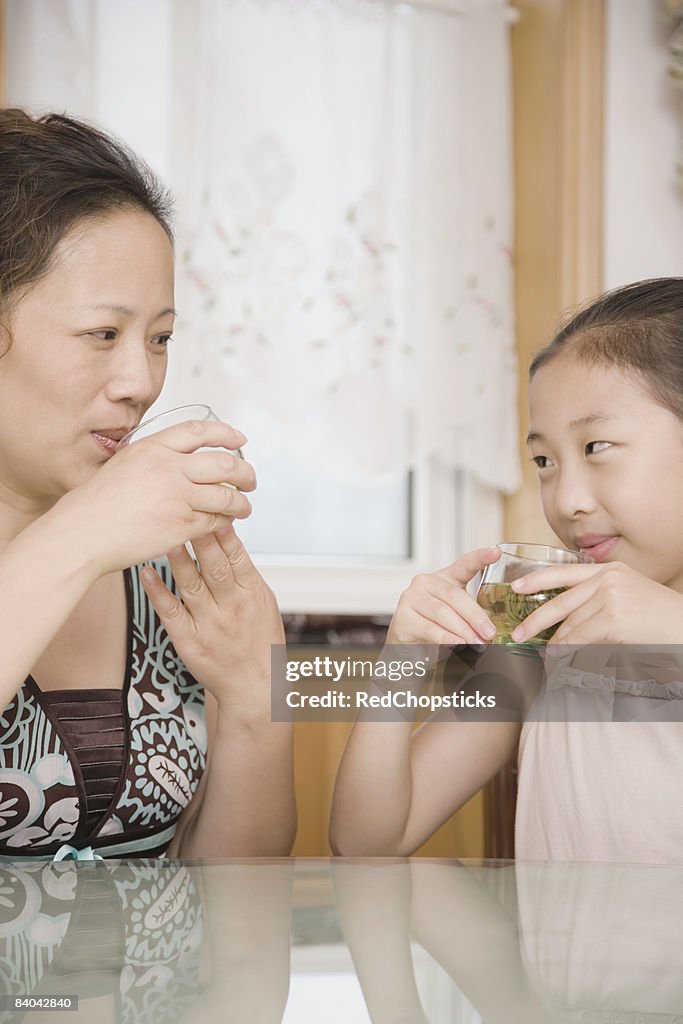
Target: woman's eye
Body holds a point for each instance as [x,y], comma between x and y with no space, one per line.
[540,461]
[162,340]
[105,334]
[591,443]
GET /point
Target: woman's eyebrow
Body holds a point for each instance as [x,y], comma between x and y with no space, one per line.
[113,307]
[582,421]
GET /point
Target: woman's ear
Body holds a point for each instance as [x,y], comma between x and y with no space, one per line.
[5,340]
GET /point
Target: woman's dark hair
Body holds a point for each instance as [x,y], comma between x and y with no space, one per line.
[638,328]
[54,172]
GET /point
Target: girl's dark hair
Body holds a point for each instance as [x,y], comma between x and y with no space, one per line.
[638,328]
[54,172]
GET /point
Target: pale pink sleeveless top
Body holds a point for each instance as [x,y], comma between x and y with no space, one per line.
[609,788]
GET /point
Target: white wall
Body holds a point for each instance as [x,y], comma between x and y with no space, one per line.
[643,200]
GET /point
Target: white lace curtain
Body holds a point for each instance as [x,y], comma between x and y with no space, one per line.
[343,177]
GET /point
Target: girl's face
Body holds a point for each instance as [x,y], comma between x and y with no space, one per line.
[610,467]
[87,355]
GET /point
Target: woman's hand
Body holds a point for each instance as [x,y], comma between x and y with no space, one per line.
[226,621]
[606,603]
[436,608]
[159,493]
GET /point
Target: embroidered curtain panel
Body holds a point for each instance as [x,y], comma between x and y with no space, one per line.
[343,175]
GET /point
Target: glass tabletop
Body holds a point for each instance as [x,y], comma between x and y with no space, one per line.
[296,941]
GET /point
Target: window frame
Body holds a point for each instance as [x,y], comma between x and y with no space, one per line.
[451,513]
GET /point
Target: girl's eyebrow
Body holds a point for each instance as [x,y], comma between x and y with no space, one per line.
[583,421]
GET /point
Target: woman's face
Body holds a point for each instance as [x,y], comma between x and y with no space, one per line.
[87,355]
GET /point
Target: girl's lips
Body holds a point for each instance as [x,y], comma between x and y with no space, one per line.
[601,551]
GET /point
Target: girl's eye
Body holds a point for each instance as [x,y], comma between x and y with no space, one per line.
[105,334]
[591,443]
[540,461]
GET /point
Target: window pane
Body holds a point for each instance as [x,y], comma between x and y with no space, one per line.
[301,512]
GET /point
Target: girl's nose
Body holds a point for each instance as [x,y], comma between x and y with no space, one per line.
[573,493]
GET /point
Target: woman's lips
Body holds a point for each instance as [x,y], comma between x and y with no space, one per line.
[602,550]
[107,443]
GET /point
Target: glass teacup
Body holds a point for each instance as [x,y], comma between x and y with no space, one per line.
[507,608]
[171,418]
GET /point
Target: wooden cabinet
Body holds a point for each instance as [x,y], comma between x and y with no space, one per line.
[318,750]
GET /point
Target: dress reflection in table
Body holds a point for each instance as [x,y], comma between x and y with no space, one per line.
[387,941]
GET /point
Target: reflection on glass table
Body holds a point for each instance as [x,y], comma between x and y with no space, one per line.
[386,941]
[153,941]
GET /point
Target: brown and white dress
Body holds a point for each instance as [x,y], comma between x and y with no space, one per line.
[109,770]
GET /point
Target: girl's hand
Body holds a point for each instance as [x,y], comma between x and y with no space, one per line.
[606,603]
[436,608]
[159,493]
[226,621]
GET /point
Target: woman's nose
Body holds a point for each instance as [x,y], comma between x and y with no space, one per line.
[135,373]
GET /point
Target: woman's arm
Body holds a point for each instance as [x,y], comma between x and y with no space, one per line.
[135,507]
[244,806]
[44,573]
[223,623]
[246,946]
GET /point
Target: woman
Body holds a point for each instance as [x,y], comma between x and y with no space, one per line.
[135,703]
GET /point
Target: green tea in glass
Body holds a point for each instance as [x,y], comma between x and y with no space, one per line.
[503,605]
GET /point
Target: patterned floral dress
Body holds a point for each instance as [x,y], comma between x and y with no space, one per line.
[130,931]
[109,770]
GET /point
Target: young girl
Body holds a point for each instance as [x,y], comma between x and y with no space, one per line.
[131,722]
[606,413]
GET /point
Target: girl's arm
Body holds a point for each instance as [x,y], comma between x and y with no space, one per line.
[373,906]
[465,928]
[396,785]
